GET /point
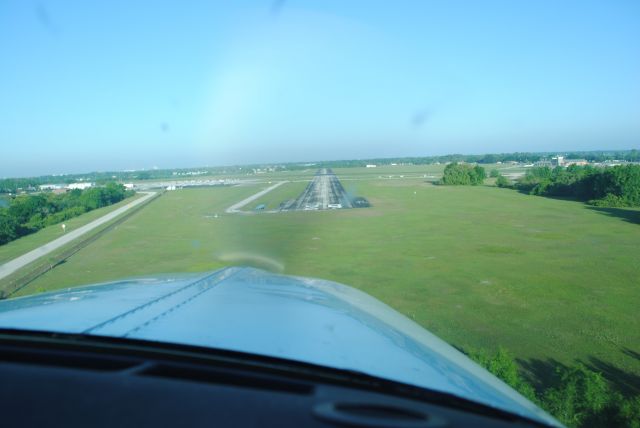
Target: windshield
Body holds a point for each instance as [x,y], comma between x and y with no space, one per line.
[472,165]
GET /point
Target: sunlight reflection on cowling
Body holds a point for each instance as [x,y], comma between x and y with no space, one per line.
[252,259]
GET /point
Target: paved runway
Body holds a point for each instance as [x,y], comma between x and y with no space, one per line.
[324,192]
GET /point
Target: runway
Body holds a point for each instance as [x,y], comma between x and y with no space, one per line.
[324,192]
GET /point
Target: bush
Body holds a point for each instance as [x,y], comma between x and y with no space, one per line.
[480,174]
[621,181]
[494,173]
[609,201]
[462,174]
[614,187]
[581,394]
[630,413]
[36,222]
[580,398]
[64,215]
[502,181]
[502,365]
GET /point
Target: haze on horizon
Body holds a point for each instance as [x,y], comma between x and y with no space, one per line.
[121,85]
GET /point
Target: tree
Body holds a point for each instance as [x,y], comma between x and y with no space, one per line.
[114,192]
[490,158]
[494,173]
[29,213]
[620,181]
[615,187]
[24,207]
[91,199]
[9,227]
[479,175]
[463,174]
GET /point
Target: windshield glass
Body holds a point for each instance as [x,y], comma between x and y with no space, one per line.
[472,165]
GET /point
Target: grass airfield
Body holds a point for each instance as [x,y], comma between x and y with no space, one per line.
[553,281]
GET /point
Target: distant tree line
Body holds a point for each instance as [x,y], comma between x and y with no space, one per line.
[578,397]
[29,213]
[15,185]
[463,174]
[492,158]
[617,186]
[627,156]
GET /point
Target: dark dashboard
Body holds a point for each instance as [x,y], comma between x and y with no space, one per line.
[74,380]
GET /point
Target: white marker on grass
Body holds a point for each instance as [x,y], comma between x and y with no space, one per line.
[64,228]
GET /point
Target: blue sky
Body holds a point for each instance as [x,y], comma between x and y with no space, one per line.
[135,84]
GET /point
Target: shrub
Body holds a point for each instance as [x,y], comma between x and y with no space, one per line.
[503,366]
[614,187]
[502,181]
[610,200]
[630,412]
[581,397]
[462,174]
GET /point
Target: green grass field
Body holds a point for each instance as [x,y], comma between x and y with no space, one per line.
[553,281]
[285,192]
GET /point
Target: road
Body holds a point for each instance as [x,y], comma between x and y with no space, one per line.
[19,262]
[235,208]
[324,192]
